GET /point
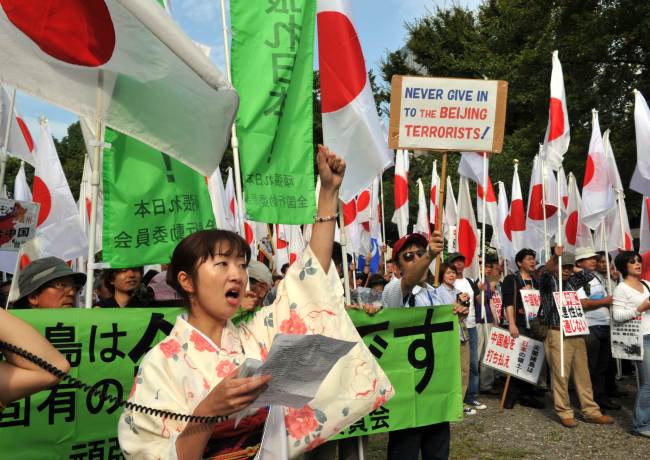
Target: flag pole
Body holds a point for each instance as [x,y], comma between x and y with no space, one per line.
[234,140]
[383,224]
[544,176]
[344,256]
[94,189]
[559,269]
[484,206]
[441,197]
[5,139]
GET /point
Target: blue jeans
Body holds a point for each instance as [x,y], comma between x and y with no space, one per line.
[641,418]
[472,387]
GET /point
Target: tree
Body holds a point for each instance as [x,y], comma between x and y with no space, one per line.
[604,54]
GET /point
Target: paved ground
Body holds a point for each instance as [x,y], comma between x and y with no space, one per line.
[524,433]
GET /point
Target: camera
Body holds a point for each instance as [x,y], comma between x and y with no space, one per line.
[464,303]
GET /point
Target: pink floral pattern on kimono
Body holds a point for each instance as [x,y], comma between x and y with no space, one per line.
[179,372]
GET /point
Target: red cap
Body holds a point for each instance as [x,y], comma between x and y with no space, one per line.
[413,238]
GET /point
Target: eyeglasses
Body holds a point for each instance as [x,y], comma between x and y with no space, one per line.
[410,255]
[63,285]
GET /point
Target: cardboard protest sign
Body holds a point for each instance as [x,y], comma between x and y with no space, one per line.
[531,302]
[497,304]
[151,202]
[571,314]
[272,69]
[447,114]
[522,357]
[17,223]
[627,340]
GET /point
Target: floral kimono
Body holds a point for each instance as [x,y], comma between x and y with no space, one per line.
[182,369]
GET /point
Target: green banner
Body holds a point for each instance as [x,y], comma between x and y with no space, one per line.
[272,70]
[151,202]
[104,348]
[417,348]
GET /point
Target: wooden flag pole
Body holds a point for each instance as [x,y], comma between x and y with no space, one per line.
[234,140]
[5,139]
[344,255]
[383,224]
[559,268]
[441,197]
[485,193]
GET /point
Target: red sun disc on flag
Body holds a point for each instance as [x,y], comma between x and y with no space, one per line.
[349,213]
[507,228]
[589,171]
[517,220]
[565,201]
[571,231]
[556,116]
[89,208]
[363,201]
[466,240]
[342,67]
[42,196]
[536,211]
[434,194]
[78,32]
[628,242]
[248,231]
[401,191]
[26,134]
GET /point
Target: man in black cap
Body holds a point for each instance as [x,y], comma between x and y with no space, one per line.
[48,283]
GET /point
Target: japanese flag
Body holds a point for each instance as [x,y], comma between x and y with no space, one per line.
[468,240]
[20,143]
[641,178]
[363,205]
[504,233]
[515,225]
[232,212]
[84,205]
[280,246]
[59,232]
[540,207]
[126,60]
[597,191]
[576,234]
[351,126]
[556,140]
[422,223]
[644,232]
[434,193]
[21,187]
[450,218]
[352,227]
[401,193]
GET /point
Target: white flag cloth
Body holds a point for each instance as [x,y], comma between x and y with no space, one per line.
[644,233]
[612,169]
[613,239]
[517,220]
[59,232]
[375,221]
[363,205]
[422,223]
[556,140]
[597,192]
[220,208]
[21,187]
[450,217]
[641,178]
[84,205]
[564,190]
[490,204]
[401,193]
[20,143]
[351,125]
[352,227]
[434,193]
[468,239]
[577,235]
[157,82]
[471,166]
[503,227]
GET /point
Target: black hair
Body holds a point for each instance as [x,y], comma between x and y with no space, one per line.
[284,269]
[195,249]
[110,273]
[521,255]
[602,254]
[443,268]
[622,259]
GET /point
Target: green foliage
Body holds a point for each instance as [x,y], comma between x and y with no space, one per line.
[603,46]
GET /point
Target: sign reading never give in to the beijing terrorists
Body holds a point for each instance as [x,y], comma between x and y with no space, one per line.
[447,114]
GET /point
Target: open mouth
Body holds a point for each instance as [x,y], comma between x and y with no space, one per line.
[232,295]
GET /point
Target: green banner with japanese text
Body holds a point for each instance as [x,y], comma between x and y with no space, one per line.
[272,70]
[418,348]
[151,202]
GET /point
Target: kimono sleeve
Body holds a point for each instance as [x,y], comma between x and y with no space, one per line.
[310,301]
[144,436]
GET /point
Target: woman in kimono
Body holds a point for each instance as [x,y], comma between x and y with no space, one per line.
[194,370]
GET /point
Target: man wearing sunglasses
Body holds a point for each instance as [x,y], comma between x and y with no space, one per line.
[413,254]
